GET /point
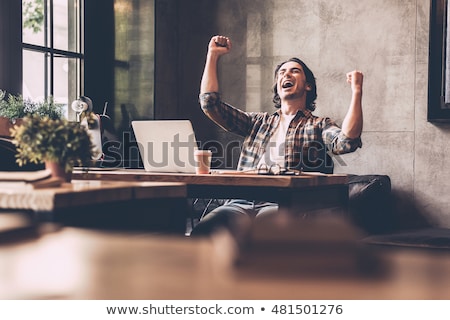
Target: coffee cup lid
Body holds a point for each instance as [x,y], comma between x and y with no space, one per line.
[203,151]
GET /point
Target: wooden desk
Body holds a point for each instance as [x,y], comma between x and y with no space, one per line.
[85,264]
[299,193]
[105,204]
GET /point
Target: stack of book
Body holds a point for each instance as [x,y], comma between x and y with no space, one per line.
[24,180]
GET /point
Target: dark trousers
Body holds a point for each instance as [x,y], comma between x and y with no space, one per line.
[236,216]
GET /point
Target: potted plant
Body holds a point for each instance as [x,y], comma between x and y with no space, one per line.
[14,107]
[59,143]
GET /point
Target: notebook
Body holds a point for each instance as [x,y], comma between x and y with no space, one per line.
[166,145]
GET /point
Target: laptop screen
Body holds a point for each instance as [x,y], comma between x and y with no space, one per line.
[166,145]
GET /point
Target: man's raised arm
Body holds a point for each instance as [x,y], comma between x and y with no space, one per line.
[218,46]
[353,121]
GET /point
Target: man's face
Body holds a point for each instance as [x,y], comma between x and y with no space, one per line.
[291,81]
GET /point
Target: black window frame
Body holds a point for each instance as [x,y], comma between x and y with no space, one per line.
[51,52]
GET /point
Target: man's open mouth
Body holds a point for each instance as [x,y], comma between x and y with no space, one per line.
[287,84]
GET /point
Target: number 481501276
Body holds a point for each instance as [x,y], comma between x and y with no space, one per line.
[307,309]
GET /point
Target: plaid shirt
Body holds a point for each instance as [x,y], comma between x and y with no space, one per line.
[308,138]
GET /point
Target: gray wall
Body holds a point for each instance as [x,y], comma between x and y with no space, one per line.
[386,39]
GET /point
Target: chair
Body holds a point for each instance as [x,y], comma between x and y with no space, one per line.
[370,202]
[8,158]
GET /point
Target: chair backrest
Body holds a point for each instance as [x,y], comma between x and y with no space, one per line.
[315,158]
[8,158]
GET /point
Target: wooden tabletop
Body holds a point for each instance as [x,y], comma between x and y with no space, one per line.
[230,178]
[84,264]
[87,192]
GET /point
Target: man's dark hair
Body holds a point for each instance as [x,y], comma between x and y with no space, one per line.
[310,95]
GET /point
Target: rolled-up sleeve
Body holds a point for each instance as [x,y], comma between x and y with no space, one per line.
[209,100]
[337,141]
[225,115]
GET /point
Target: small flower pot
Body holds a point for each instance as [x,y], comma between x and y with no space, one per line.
[58,171]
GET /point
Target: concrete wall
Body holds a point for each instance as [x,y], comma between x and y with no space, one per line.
[386,39]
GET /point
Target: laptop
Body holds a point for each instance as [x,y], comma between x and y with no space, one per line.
[166,145]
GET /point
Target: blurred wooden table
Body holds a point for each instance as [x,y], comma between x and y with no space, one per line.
[105,204]
[85,264]
[296,192]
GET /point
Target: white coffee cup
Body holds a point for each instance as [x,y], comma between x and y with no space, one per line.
[202,161]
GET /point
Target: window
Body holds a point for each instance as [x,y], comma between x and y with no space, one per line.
[53,49]
[134,58]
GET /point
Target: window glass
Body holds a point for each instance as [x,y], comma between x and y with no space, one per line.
[134,59]
[65,73]
[33,22]
[62,35]
[34,71]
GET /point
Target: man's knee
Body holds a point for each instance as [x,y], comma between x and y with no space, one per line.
[227,216]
